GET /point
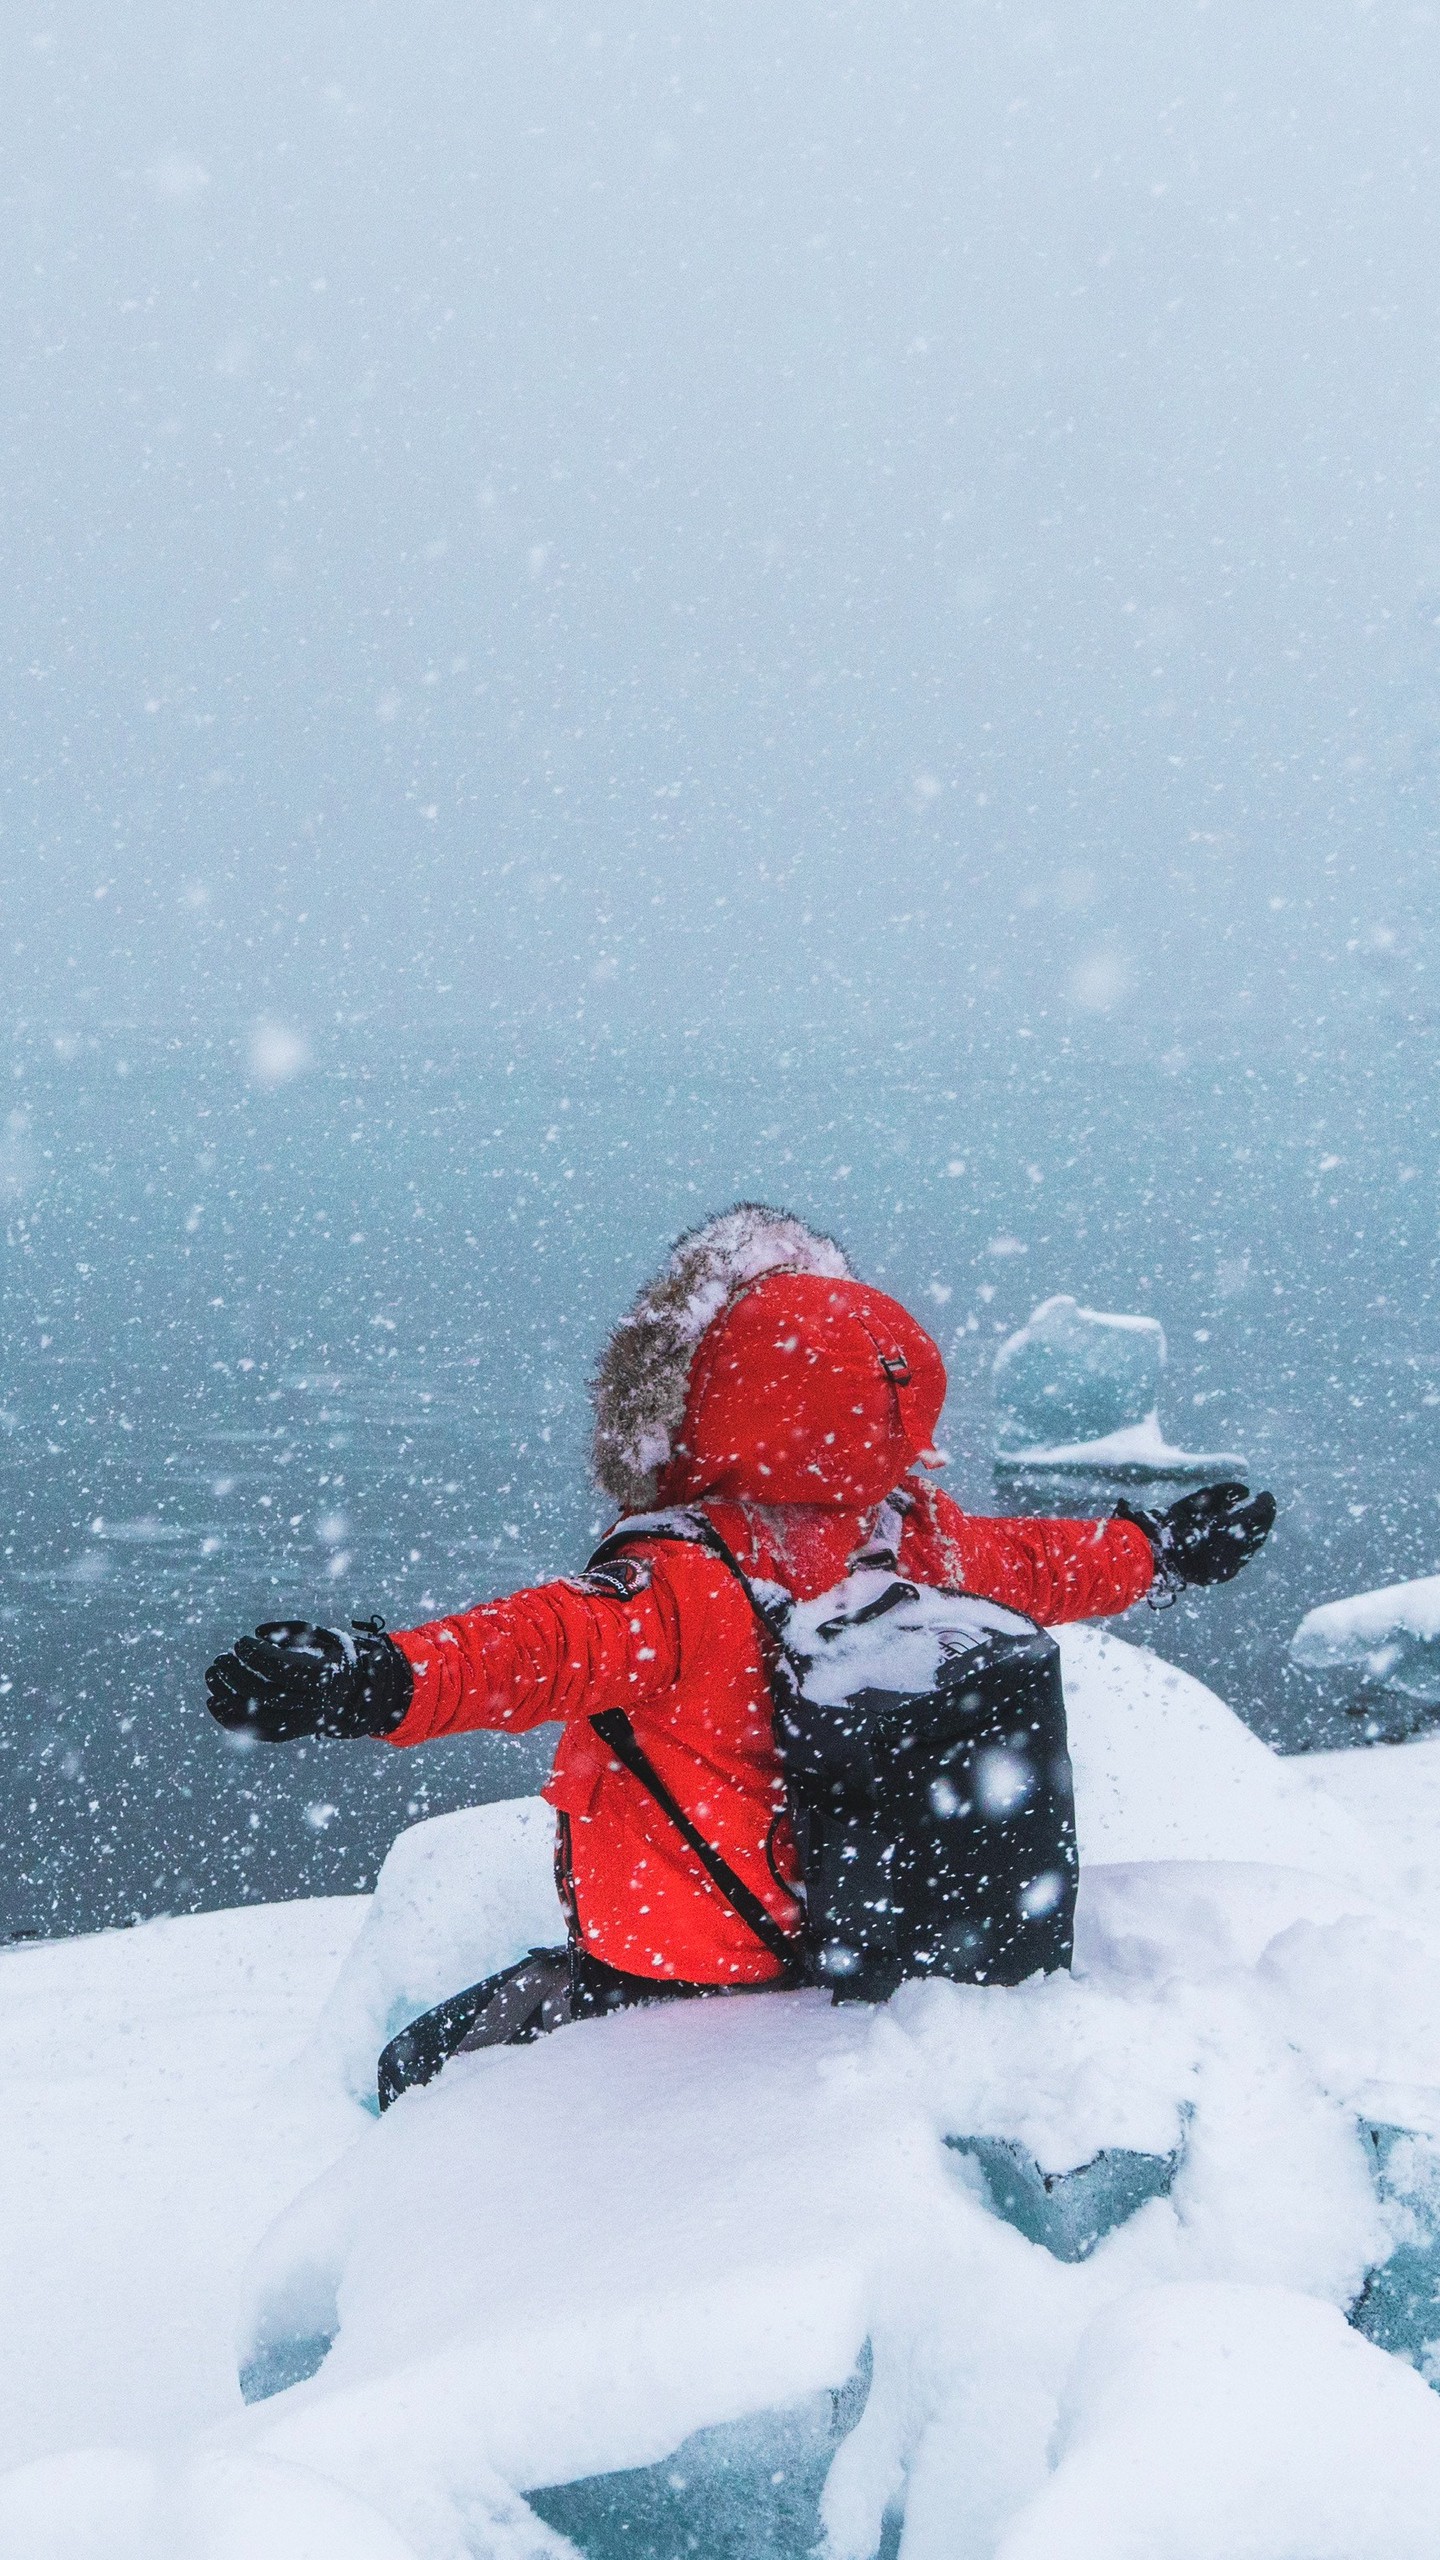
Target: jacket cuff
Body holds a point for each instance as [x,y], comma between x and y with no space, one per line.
[1138,1552]
[423,1717]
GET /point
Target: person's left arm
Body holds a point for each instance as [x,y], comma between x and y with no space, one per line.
[1056,1570]
[1053,1570]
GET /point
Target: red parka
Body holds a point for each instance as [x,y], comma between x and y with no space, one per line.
[808,1399]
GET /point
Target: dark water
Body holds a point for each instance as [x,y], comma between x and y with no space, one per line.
[321,1349]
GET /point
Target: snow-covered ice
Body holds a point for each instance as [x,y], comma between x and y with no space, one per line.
[150,2122]
[1390,1637]
[457,1898]
[564,2260]
[1078,1393]
[1206,2421]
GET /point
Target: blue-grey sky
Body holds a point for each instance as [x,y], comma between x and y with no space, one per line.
[672,513]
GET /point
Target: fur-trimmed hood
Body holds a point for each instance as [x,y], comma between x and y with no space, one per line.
[643,1377]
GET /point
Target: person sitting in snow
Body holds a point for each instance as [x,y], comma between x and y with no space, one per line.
[762,1386]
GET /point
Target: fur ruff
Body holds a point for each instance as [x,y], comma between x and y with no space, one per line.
[641,1383]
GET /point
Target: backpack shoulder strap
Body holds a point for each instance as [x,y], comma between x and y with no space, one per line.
[618,1734]
[684,1528]
[681,1526]
[690,1528]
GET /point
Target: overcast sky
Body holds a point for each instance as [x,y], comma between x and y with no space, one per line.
[653,514]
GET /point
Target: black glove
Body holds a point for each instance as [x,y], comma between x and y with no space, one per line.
[289,1680]
[1206,1536]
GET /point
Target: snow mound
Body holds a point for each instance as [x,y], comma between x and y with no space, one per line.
[666,2238]
[1163,1769]
[1391,1637]
[1392,1794]
[152,2124]
[1204,2419]
[562,2261]
[458,1897]
[212,2506]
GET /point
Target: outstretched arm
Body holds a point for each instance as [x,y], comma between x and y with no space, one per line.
[611,1640]
[1060,1569]
[1053,1570]
[542,1656]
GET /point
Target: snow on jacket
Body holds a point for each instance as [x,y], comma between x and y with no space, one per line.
[757,1381]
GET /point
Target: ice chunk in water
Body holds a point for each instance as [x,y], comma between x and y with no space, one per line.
[1070,1374]
[1390,1637]
[1077,1394]
[1067,2211]
[1400,2306]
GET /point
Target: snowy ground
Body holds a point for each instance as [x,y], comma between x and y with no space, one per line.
[563,2261]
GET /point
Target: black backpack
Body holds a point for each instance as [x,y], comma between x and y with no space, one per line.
[927,1771]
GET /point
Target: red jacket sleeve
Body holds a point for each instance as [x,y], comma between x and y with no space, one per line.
[1053,1570]
[560,1650]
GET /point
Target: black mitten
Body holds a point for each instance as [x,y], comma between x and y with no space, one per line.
[289,1680]
[1206,1536]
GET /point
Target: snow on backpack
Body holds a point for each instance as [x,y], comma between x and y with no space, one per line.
[922,1736]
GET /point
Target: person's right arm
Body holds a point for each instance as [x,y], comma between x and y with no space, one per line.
[540,1657]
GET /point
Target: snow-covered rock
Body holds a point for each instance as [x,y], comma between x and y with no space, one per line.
[654,2232]
[1391,1638]
[1077,1393]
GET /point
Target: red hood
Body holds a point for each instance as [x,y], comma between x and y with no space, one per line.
[807,1389]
